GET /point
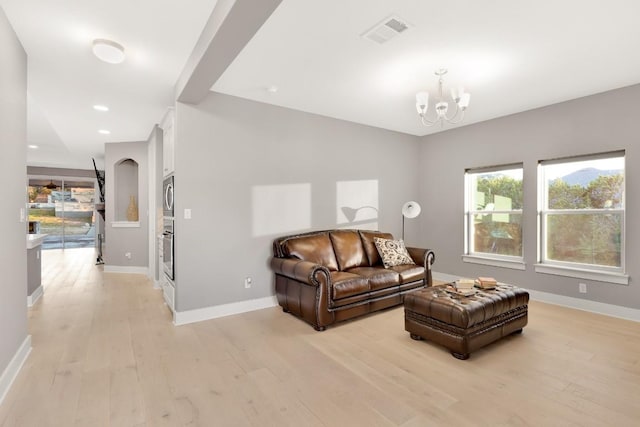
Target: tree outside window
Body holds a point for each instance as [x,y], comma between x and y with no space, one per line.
[582,212]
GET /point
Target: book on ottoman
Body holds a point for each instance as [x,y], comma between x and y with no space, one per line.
[464,283]
[486,282]
[465,292]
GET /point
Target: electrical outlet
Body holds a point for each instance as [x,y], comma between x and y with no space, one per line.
[582,287]
[247,282]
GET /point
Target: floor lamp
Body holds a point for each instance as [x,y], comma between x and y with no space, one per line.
[409,210]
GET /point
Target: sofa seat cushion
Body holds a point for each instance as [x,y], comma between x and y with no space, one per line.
[409,272]
[315,248]
[370,247]
[379,278]
[348,284]
[348,249]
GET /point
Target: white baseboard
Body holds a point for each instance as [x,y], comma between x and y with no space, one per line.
[126,269]
[35,296]
[571,302]
[586,305]
[208,313]
[12,370]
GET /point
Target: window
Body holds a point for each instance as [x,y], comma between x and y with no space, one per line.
[581,214]
[63,210]
[493,215]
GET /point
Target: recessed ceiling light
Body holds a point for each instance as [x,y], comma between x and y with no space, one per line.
[33,147]
[272,89]
[101,108]
[108,51]
[104,131]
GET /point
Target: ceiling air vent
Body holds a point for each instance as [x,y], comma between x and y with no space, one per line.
[387,29]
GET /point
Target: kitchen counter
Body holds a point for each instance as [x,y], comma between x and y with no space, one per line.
[34,240]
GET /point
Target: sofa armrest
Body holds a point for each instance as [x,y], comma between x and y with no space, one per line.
[424,257]
[302,271]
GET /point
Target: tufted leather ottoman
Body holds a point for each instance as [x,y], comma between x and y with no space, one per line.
[465,324]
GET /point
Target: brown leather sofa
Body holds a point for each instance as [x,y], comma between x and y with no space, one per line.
[328,276]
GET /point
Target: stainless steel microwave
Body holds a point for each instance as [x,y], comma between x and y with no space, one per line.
[167,197]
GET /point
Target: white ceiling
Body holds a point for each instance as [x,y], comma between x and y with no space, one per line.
[65,80]
[510,55]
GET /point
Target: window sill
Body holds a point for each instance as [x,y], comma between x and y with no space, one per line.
[503,263]
[599,276]
[125,224]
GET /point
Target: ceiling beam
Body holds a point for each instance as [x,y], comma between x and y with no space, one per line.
[230,27]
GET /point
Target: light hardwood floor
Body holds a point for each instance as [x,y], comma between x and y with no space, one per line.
[105,353]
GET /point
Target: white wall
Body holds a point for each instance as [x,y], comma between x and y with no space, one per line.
[251,172]
[119,241]
[13,175]
[154,154]
[599,123]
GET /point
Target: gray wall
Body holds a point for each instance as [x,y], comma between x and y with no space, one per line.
[118,241]
[235,157]
[13,175]
[599,123]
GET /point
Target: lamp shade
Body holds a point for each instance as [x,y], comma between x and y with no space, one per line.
[411,209]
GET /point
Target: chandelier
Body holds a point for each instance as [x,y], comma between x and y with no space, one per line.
[459,96]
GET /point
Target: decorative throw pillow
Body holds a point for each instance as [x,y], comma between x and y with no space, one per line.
[392,252]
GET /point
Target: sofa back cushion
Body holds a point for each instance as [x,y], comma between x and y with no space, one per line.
[370,247]
[348,248]
[315,248]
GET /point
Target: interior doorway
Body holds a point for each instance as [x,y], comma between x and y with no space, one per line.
[63,208]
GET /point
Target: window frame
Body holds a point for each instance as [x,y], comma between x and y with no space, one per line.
[581,270]
[485,258]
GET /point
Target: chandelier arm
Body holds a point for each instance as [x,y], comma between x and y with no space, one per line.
[427,122]
[453,120]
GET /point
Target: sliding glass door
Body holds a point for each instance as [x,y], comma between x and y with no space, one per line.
[63,208]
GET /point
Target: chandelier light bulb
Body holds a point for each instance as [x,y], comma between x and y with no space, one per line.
[441,108]
[464,100]
[422,102]
[456,93]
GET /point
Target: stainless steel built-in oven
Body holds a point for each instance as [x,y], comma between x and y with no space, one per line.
[167,197]
[168,249]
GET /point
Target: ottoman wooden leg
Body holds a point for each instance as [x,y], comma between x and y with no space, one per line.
[461,356]
[416,337]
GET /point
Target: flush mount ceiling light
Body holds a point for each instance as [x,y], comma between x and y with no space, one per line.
[108,51]
[101,108]
[104,132]
[459,96]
